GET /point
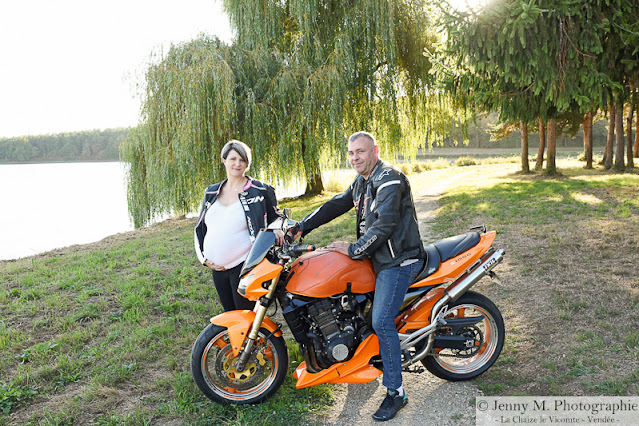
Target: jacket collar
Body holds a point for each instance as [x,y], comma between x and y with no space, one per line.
[374,171]
[249,182]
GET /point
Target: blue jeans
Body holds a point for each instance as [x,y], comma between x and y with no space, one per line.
[390,288]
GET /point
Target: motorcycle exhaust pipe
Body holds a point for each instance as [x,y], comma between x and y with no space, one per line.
[456,290]
[451,294]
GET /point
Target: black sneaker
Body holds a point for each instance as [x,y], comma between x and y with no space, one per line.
[391,405]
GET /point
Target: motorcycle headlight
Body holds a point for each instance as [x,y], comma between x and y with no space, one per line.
[244,282]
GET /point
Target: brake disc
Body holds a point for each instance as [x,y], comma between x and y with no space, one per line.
[239,376]
[256,361]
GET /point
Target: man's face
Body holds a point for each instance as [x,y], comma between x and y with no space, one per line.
[363,155]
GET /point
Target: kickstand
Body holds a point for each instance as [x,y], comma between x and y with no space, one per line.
[493,276]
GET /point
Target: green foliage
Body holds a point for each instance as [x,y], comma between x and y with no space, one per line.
[506,58]
[12,396]
[537,59]
[75,146]
[299,78]
[465,161]
[541,60]
[36,350]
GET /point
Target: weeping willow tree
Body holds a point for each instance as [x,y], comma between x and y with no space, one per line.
[300,76]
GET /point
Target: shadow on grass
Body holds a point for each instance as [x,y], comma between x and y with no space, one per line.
[568,281]
[539,201]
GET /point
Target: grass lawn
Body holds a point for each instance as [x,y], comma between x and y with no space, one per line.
[570,289]
[102,332]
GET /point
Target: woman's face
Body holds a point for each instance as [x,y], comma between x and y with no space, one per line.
[235,165]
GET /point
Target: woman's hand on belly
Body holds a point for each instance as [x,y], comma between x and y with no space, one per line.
[214,266]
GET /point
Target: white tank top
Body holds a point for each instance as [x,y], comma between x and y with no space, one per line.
[227,241]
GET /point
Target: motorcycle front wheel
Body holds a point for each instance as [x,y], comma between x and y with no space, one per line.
[487,337]
[214,371]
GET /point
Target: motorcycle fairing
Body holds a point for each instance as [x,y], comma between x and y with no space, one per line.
[238,324]
[355,370]
[261,246]
[325,273]
[418,316]
[251,285]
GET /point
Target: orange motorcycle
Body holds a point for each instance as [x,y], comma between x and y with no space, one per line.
[326,299]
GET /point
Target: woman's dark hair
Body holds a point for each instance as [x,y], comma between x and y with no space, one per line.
[240,147]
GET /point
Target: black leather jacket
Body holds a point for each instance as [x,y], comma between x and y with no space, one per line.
[260,207]
[387,229]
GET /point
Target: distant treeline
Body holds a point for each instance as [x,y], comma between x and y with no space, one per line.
[479,136]
[104,145]
[90,145]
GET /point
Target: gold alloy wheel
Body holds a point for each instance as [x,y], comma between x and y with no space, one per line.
[249,370]
[213,367]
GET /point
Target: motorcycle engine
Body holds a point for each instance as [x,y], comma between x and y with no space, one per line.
[328,330]
[337,335]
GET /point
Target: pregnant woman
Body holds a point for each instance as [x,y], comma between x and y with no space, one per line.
[233,212]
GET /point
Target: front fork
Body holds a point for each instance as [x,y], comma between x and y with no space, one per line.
[260,313]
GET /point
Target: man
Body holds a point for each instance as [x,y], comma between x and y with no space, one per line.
[388,233]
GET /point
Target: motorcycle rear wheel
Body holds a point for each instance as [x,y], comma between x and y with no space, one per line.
[214,372]
[489,335]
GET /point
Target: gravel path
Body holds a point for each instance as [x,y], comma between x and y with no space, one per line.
[431,401]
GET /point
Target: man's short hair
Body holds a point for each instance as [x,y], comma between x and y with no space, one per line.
[240,147]
[366,135]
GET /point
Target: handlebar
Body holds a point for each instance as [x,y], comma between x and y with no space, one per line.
[300,249]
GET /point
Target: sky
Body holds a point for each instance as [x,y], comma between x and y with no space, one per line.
[71,65]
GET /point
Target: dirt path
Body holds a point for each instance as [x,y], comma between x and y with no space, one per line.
[431,401]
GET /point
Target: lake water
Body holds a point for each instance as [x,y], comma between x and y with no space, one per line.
[54,205]
[47,206]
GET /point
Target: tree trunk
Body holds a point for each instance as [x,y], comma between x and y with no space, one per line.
[542,145]
[427,142]
[314,184]
[635,151]
[621,141]
[587,127]
[452,133]
[631,163]
[590,132]
[525,166]
[584,127]
[313,176]
[607,160]
[551,168]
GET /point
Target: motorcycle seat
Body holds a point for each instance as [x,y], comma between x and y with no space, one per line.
[431,265]
[454,246]
[445,249]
